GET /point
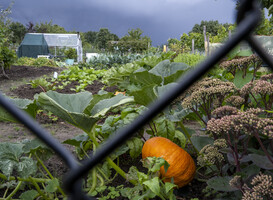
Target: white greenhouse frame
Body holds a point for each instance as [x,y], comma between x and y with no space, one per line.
[61,40]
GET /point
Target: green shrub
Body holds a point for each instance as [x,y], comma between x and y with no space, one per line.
[7,57]
[37,62]
[189,59]
[70,53]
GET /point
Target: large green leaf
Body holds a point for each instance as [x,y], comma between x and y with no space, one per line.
[153,164]
[200,141]
[69,107]
[97,98]
[29,195]
[150,93]
[24,104]
[171,72]
[176,115]
[77,140]
[12,159]
[181,137]
[52,185]
[161,69]
[261,161]
[244,53]
[145,78]
[162,90]
[146,95]
[135,145]
[153,185]
[26,167]
[165,128]
[103,106]
[221,184]
[72,102]
[239,81]
[38,147]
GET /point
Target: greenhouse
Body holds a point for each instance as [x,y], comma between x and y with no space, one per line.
[35,44]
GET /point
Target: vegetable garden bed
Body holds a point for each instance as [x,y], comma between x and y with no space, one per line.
[224,121]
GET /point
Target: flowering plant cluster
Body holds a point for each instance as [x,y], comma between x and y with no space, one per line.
[248,141]
[259,91]
[259,188]
[242,64]
[206,95]
[237,159]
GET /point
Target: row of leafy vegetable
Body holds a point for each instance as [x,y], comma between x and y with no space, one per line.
[233,103]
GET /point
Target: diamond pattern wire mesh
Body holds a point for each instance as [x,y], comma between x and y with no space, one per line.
[247,19]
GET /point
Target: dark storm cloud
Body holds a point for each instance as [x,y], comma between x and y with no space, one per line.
[159,19]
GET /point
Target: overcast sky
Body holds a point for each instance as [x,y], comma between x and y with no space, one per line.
[159,19]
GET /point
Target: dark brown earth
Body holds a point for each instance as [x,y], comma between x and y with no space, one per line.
[17,86]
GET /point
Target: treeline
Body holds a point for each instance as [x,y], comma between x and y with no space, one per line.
[93,41]
[216,32]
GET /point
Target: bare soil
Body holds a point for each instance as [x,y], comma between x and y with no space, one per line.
[18,86]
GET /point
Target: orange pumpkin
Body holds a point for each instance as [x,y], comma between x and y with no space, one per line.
[182,167]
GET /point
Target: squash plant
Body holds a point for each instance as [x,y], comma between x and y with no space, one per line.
[149,185]
[83,110]
[19,166]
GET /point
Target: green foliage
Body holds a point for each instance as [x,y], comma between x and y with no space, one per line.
[121,76]
[84,76]
[217,33]
[71,53]
[7,57]
[189,59]
[106,61]
[23,160]
[149,185]
[18,31]
[12,159]
[132,46]
[25,104]
[103,37]
[133,42]
[90,36]
[150,85]
[212,27]
[48,27]
[37,62]
[42,83]
[78,109]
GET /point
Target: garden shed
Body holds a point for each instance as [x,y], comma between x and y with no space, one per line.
[56,43]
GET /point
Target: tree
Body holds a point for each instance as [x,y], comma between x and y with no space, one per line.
[18,32]
[90,36]
[265,27]
[133,34]
[49,27]
[212,27]
[7,55]
[103,37]
[134,41]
